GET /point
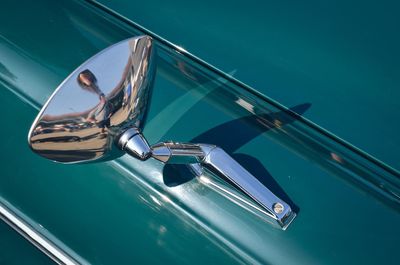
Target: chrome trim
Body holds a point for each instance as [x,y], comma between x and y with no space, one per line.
[42,243]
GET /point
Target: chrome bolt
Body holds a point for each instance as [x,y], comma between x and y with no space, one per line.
[278,207]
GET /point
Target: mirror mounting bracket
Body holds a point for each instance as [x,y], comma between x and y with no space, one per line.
[217,161]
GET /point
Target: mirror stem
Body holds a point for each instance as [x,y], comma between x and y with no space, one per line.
[133,142]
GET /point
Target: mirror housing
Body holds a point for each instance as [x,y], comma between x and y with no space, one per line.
[92,107]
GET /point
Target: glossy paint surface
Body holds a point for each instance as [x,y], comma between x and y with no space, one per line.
[339,56]
[17,250]
[129,211]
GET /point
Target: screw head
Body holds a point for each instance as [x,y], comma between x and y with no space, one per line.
[278,207]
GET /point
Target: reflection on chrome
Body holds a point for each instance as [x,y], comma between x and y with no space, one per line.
[235,198]
[103,104]
[103,97]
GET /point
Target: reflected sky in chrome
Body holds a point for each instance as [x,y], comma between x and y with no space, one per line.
[103,97]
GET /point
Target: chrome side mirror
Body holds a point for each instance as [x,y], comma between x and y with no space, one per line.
[101,99]
[100,109]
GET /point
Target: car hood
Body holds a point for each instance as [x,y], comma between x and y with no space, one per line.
[130,211]
[341,57]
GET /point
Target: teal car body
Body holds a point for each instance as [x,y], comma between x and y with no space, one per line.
[332,153]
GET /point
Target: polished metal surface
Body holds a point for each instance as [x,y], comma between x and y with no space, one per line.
[104,103]
[138,147]
[218,161]
[177,153]
[96,103]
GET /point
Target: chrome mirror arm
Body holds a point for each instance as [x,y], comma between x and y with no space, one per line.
[217,161]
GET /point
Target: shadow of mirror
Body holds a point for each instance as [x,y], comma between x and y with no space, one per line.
[234,134]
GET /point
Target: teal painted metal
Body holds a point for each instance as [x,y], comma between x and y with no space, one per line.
[340,56]
[16,250]
[130,211]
